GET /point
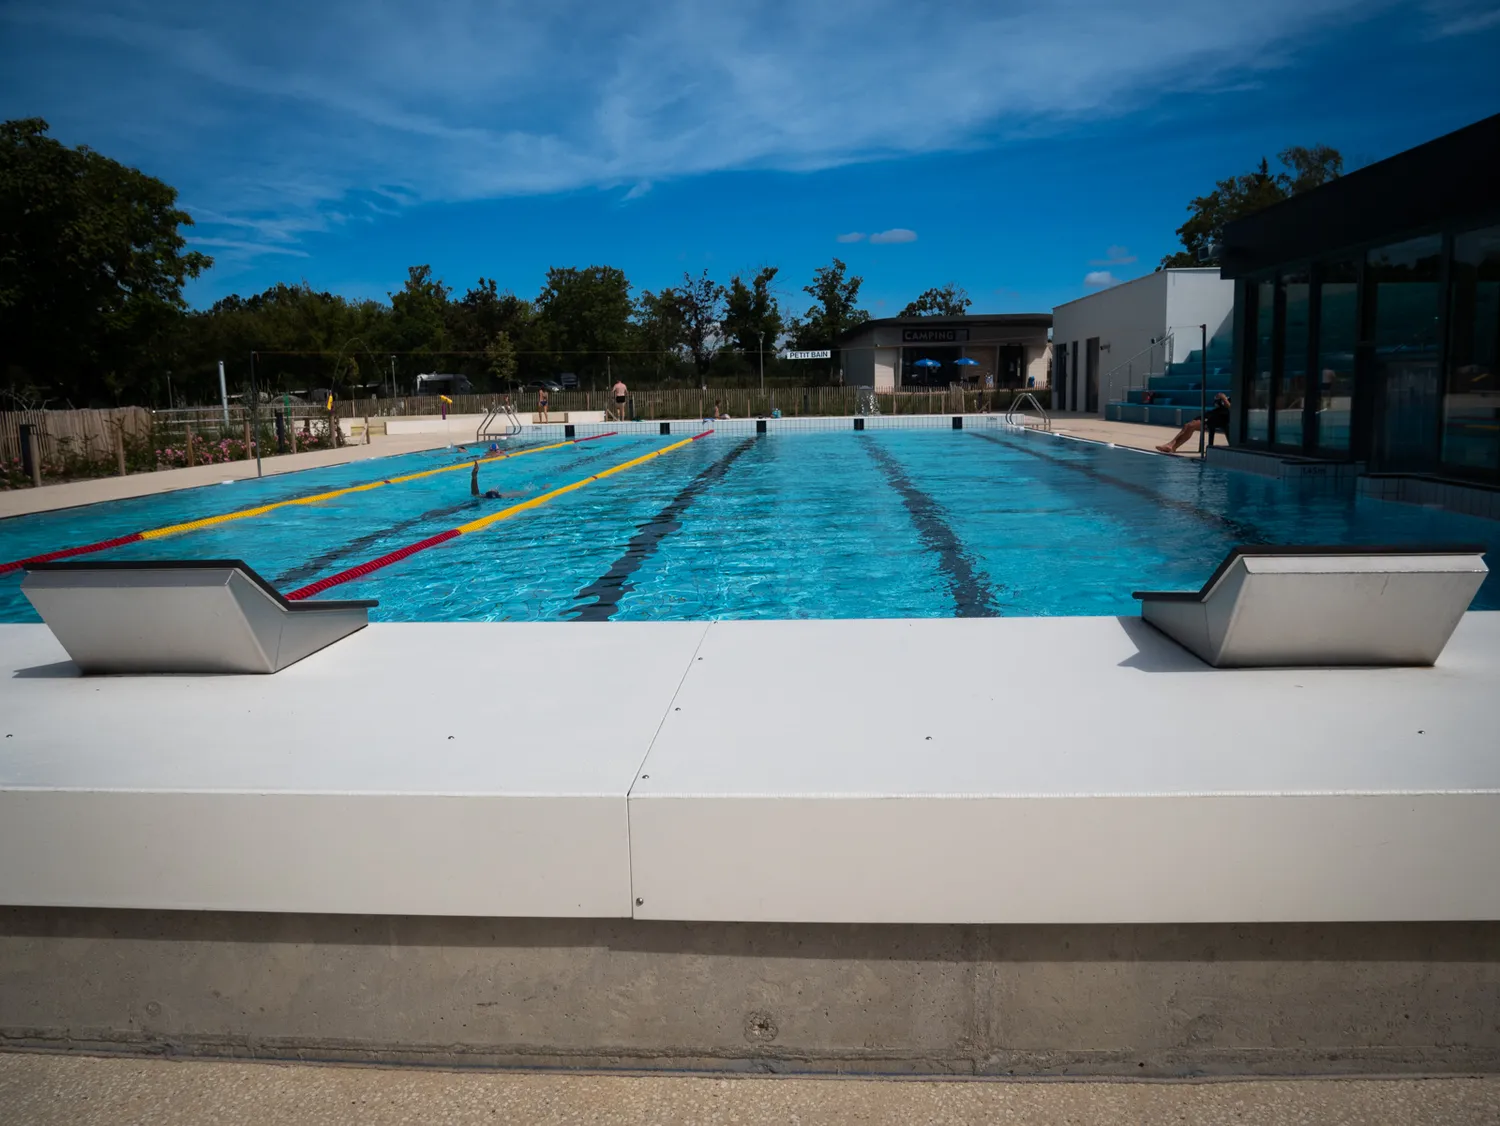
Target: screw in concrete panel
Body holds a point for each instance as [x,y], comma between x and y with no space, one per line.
[639,902]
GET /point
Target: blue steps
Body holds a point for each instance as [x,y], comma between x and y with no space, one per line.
[1177,394]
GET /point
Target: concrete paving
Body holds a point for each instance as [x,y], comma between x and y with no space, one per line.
[71,494]
[43,1090]
[1133,435]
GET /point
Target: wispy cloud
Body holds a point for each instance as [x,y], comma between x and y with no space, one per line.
[251,248]
[1460,17]
[895,234]
[280,118]
[852,236]
[1100,279]
[1114,256]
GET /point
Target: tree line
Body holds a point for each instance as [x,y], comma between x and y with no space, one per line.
[93,258]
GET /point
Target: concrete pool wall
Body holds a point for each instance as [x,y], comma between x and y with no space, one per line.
[695,844]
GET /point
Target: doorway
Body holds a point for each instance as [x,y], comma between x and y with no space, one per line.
[1091,376]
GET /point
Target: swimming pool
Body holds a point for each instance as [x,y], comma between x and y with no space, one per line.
[879,524]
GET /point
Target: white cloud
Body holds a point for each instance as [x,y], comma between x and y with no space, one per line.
[283,118]
[640,189]
[1460,17]
[252,248]
[895,234]
[1100,279]
[1114,256]
[852,236]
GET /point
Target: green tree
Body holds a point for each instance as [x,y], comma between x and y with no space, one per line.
[702,303]
[752,317]
[419,313]
[586,314]
[659,332]
[92,265]
[1303,169]
[477,318]
[835,312]
[500,360]
[950,300]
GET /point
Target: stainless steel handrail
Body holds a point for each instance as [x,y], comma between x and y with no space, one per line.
[1016,410]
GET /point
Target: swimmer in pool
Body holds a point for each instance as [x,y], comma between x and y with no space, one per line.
[489,494]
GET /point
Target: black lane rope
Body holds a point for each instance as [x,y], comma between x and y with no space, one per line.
[320,563]
[609,588]
[973,596]
[1243,532]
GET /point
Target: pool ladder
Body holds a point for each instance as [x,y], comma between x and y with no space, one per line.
[1015,414]
[502,414]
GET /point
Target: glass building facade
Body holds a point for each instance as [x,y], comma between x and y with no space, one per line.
[1368,315]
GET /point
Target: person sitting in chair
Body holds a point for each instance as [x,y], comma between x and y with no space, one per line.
[1217,420]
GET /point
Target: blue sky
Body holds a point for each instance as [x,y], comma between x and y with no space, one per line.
[1026,151]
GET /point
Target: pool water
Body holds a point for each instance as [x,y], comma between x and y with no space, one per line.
[879,524]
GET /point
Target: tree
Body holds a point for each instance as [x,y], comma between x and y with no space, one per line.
[586,314]
[949,301]
[500,359]
[702,303]
[752,317]
[92,265]
[419,313]
[837,309]
[659,329]
[1303,169]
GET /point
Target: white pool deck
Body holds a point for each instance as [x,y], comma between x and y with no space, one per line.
[819,771]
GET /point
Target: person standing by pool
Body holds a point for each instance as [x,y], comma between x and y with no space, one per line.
[1217,419]
[620,392]
[541,404]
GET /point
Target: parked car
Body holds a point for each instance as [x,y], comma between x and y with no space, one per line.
[568,380]
[550,385]
[440,383]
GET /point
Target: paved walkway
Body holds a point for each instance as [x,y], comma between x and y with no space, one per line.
[19,502]
[47,1090]
[1133,434]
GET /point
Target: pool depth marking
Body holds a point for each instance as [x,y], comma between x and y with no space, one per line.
[972,594]
[478,525]
[609,588]
[261,510]
[1244,533]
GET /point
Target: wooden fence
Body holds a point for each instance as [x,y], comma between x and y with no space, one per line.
[738,402]
[86,433]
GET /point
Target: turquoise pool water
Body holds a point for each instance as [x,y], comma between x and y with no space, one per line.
[885,523]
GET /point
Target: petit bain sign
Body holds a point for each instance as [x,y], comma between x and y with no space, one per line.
[933,335]
[819,354]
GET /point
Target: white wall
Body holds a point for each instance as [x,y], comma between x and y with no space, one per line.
[1126,317]
[1197,297]
[886,362]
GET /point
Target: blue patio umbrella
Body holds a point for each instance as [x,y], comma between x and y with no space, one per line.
[926,363]
[966,362]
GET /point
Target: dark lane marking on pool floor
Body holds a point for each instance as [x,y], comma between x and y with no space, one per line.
[973,596]
[319,563]
[614,584]
[1244,533]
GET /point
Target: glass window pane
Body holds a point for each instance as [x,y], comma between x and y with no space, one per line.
[1291,396]
[1258,386]
[1338,332]
[1471,416]
[1408,390]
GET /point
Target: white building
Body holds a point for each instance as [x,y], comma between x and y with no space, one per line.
[1108,344]
[995,350]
